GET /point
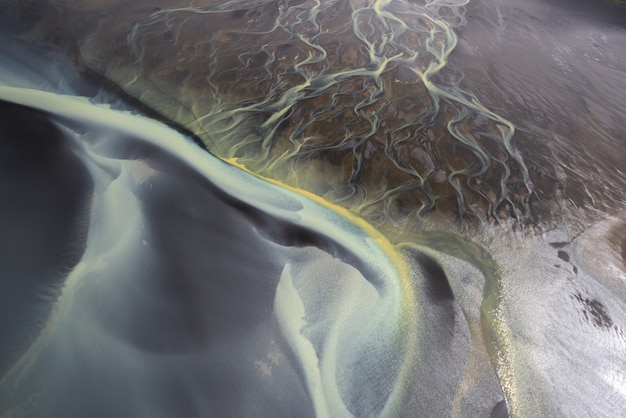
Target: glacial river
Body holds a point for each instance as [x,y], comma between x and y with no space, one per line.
[312,208]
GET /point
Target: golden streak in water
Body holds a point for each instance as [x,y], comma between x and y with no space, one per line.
[408,328]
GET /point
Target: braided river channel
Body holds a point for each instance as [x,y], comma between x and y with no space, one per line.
[312,208]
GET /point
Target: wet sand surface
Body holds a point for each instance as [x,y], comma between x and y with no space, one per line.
[45,191]
[419,208]
[187,299]
[554,69]
[173,306]
[385,139]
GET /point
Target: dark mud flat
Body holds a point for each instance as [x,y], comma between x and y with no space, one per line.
[43,217]
[170,304]
[485,140]
[373,121]
[556,70]
[268,83]
[178,297]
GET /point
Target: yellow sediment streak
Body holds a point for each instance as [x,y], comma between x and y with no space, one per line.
[375,235]
[407,327]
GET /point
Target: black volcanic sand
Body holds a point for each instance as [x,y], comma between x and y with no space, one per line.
[553,68]
[170,312]
[161,302]
[557,70]
[624,252]
[45,192]
[169,327]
